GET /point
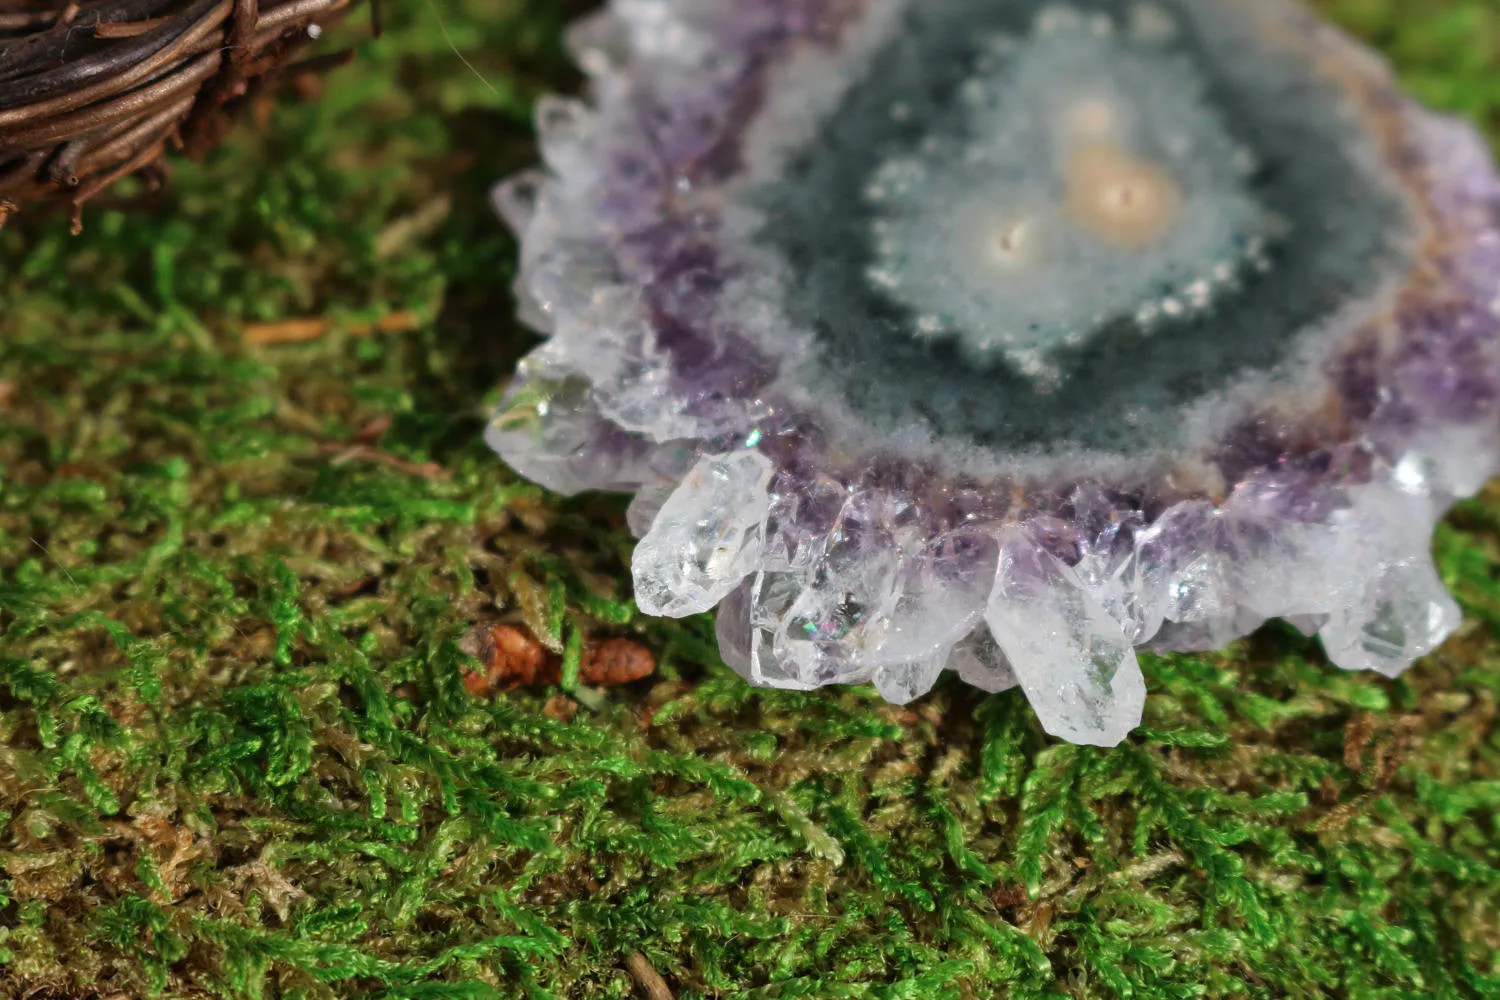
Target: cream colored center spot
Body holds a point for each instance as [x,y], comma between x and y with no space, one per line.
[1092,118]
[1126,201]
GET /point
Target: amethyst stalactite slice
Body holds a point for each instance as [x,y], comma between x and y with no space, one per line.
[1009,338]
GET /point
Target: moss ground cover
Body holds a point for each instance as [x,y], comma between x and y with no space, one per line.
[239,559]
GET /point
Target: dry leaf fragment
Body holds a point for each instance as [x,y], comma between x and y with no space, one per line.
[511,658]
[616,661]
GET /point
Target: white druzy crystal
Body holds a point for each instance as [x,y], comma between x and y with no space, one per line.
[707,537]
[1042,615]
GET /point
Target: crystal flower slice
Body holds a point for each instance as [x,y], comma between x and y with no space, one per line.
[1009,337]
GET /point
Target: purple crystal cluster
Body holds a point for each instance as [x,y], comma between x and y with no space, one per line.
[1009,338]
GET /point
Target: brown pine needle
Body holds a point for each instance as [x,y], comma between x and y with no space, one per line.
[653,986]
[300,331]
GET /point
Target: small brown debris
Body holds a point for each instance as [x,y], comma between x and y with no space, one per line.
[362,452]
[1009,894]
[652,985]
[1340,815]
[286,331]
[1378,751]
[560,707]
[371,431]
[511,658]
[1392,750]
[1357,733]
[1039,919]
[126,711]
[362,448]
[616,661]
[355,586]
[298,331]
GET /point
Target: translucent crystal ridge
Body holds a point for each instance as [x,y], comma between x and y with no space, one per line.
[1009,338]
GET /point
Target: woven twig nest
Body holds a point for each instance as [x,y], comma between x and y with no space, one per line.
[93,91]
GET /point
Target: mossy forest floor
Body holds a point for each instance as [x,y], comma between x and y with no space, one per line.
[238,760]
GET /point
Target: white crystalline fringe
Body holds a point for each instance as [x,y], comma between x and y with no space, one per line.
[869,602]
[1068,634]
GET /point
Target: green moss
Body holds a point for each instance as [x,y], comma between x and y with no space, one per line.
[239,761]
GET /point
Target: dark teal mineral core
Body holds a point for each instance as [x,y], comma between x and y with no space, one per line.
[1254,213]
